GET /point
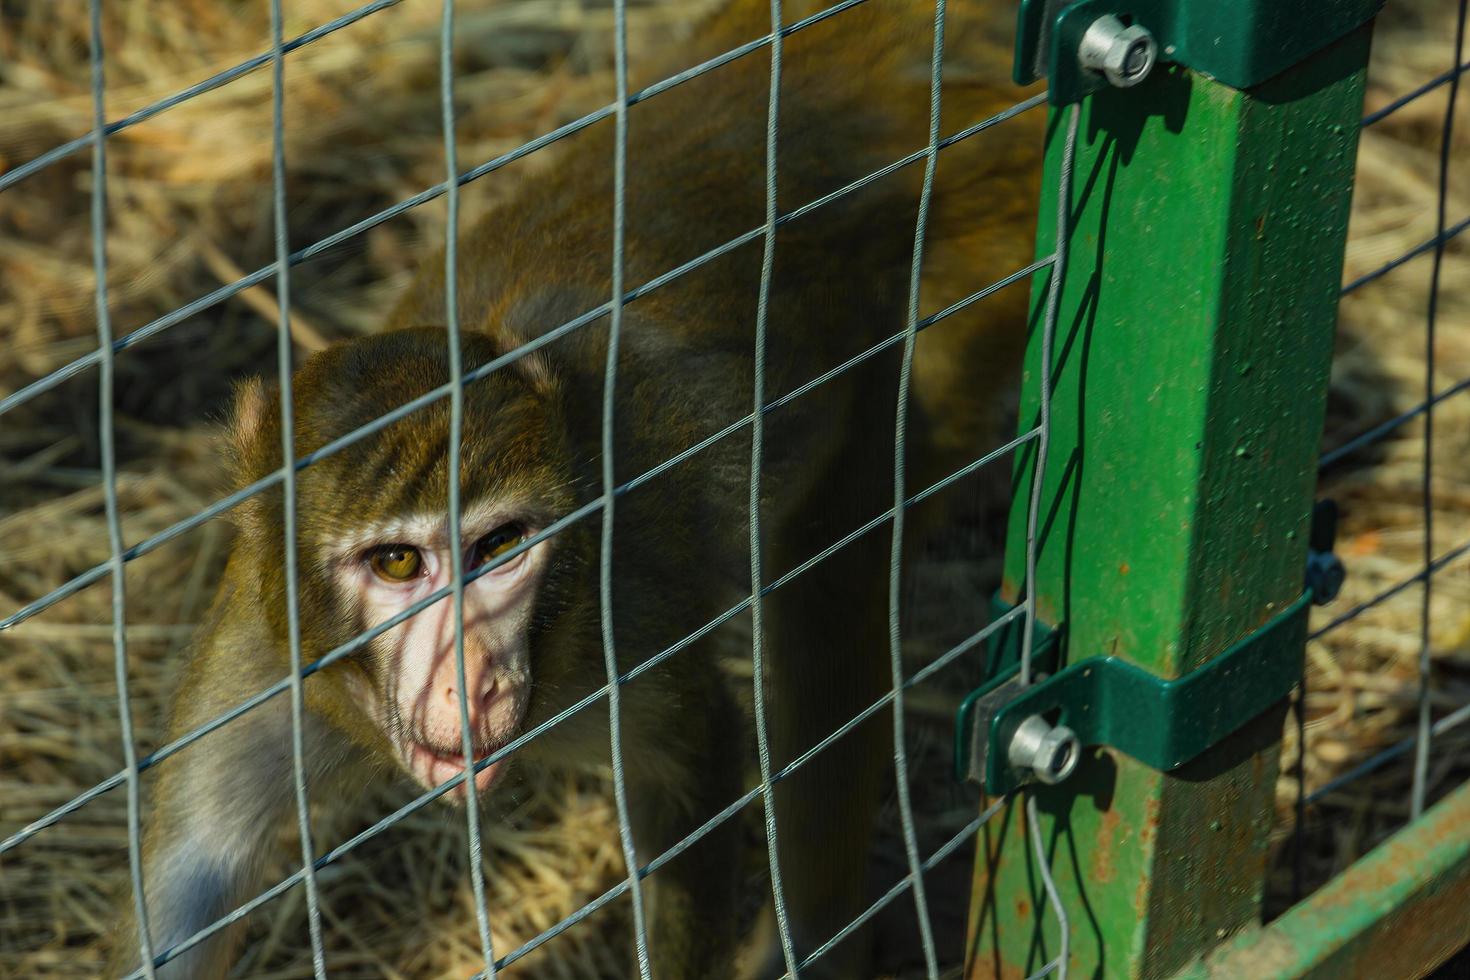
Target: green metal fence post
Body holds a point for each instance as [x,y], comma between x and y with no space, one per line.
[1190,370]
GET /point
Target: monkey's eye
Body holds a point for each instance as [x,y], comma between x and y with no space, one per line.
[395,562]
[496,543]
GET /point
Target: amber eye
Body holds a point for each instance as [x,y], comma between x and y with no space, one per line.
[396,562]
[496,543]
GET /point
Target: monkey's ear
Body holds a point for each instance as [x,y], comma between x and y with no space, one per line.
[247,418]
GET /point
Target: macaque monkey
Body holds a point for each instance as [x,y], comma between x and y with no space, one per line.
[373,528]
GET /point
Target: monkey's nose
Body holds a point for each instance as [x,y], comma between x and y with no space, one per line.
[483,690]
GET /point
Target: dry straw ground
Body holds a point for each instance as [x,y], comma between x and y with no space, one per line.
[190,211]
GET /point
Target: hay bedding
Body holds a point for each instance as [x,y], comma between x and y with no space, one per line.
[190,211]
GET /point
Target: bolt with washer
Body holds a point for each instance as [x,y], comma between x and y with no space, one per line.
[1048,752]
[1123,55]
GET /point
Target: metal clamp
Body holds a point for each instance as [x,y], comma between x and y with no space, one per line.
[1073,43]
[1007,734]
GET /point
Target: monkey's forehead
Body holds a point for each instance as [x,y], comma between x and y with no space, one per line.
[403,486]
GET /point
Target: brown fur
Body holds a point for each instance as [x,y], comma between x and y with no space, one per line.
[855,97]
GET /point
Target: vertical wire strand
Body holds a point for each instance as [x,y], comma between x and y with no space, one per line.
[108,451]
[1446,146]
[456,434]
[895,558]
[609,486]
[1043,440]
[1048,337]
[757,451]
[288,486]
[1298,835]
[1053,898]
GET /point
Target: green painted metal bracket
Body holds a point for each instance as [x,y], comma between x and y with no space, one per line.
[1108,701]
[1240,43]
[1161,723]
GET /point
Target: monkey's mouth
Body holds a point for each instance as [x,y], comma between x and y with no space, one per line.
[433,765]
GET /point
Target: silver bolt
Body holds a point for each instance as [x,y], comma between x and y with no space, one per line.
[1124,55]
[1048,752]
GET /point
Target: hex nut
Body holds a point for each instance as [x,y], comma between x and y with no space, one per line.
[1048,753]
[1123,55]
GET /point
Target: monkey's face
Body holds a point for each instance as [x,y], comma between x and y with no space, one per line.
[375,541]
[386,568]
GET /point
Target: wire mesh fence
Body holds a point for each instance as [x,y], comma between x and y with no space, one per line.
[313,861]
[154,954]
[1435,715]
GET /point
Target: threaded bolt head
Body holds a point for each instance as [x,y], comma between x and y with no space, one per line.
[1123,55]
[1046,752]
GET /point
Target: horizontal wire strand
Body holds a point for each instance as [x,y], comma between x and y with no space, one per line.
[224,292]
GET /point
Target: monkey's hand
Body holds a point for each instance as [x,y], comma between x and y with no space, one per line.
[216,808]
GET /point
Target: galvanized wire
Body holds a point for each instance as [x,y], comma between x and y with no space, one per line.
[290,560]
[1048,338]
[609,485]
[1383,429]
[424,799]
[107,449]
[556,527]
[1403,100]
[224,292]
[1054,899]
[95,573]
[1433,242]
[1038,477]
[1393,590]
[1426,735]
[900,462]
[15,175]
[475,851]
[757,453]
[285,259]
[1421,741]
[933,861]
[1450,721]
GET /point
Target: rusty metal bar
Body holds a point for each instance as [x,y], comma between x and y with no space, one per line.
[1400,911]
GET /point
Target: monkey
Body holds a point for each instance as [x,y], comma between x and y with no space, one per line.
[373,530]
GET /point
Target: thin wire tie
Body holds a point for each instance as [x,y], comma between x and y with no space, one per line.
[1053,898]
[1028,634]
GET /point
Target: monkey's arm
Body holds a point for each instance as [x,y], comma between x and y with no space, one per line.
[216,809]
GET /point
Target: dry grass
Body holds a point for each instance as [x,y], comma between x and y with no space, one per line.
[190,212]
